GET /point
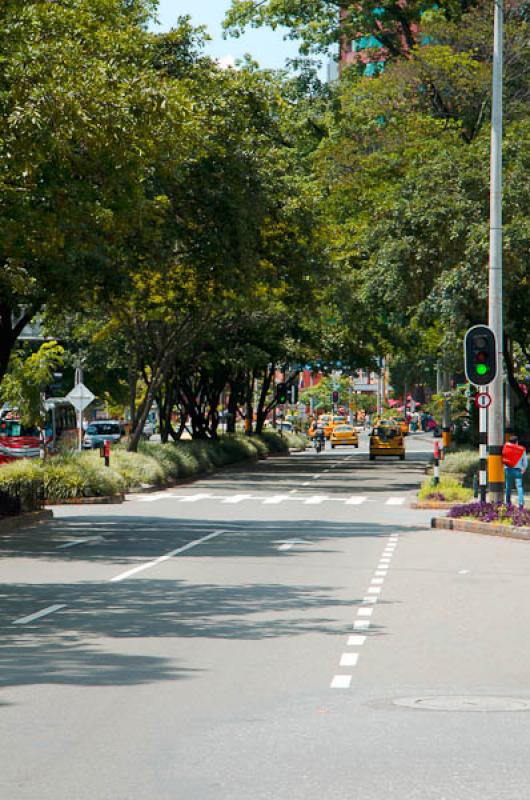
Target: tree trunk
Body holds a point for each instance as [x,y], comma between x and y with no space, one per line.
[9,333]
[263,409]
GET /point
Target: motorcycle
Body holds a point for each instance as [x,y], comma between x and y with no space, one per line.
[319,444]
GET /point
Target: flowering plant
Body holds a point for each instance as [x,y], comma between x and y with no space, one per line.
[493,512]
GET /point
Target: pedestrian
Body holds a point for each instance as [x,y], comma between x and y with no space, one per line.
[515,463]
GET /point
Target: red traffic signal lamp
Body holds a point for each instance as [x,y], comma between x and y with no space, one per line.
[480,352]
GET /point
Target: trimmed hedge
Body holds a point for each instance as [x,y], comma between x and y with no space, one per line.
[72,475]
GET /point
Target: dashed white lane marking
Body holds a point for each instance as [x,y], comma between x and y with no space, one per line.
[277,498]
[306,483]
[341,682]
[355,640]
[370,599]
[377,581]
[152,497]
[361,624]
[237,498]
[123,575]
[463,572]
[381,573]
[365,612]
[315,500]
[194,498]
[39,614]
[374,590]
[395,501]
[356,500]
[85,540]
[349,659]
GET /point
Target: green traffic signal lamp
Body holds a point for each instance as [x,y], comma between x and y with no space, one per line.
[480,353]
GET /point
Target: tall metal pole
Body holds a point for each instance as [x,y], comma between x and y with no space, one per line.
[496,411]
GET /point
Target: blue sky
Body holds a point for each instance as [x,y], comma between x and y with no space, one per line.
[265,46]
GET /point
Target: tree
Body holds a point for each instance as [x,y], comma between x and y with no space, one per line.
[28,376]
[319,24]
[81,113]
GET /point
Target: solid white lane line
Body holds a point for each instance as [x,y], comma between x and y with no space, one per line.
[39,614]
[315,500]
[374,590]
[349,660]
[341,682]
[377,581]
[361,624]
[365,612]
[356,500]
[356,640]
[395,501]
[123,575]
[237,498]
[275,499]
[194,498]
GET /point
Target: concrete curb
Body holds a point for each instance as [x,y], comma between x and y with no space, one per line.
[432,504]
[22,520]
[476,526]
[87,501]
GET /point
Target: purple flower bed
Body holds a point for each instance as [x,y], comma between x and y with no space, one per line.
[493,512]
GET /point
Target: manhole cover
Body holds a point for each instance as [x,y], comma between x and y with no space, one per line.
[464,703]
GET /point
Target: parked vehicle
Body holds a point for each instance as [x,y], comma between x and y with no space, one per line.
[18,441]
[101,431]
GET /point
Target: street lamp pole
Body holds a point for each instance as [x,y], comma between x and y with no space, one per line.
[496,411]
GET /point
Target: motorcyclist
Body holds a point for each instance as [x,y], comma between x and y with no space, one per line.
[320,439]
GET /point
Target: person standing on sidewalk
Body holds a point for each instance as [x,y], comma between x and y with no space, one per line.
[515,463]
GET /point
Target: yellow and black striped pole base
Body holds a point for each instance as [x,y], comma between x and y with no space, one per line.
[495,474]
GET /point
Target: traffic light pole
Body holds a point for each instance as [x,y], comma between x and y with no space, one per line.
[483,451]
[496,411]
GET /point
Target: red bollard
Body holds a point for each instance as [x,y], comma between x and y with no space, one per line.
[106,452]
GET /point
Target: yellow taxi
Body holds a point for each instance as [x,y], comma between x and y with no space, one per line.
[403,424]
[386,439]
[344,434]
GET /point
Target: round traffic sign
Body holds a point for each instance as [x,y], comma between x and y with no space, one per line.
[482,400]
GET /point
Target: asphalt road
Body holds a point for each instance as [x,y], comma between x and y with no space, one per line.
[287,630]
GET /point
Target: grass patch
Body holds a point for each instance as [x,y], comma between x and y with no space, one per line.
[449,489]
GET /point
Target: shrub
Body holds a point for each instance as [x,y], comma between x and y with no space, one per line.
[79,475]
[462,462]
[23,481]
[71,475]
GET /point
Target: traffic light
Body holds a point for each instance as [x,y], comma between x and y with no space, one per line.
[480,355]
[335,396]
[281,393]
